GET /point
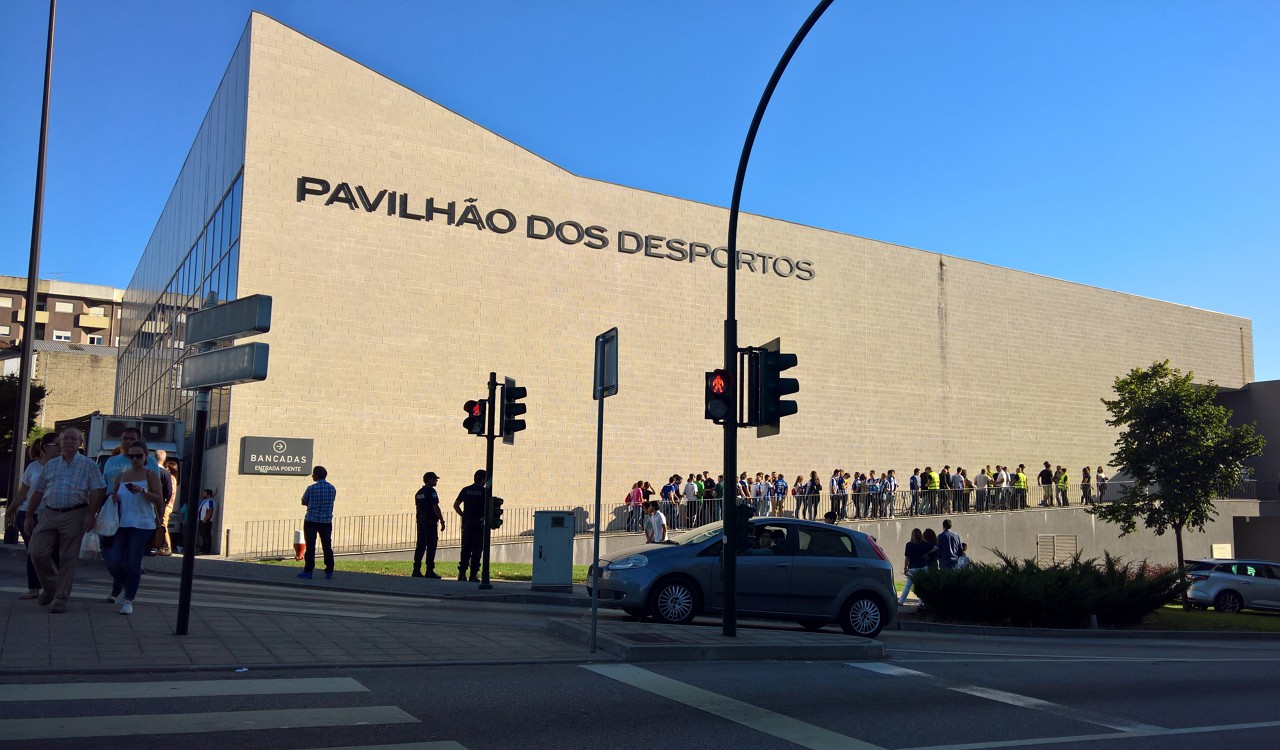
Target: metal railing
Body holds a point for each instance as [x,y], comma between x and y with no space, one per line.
[398,531]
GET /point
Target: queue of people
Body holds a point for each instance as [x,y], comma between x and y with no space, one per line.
[854,495]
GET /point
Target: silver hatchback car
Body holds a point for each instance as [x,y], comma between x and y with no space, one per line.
[808,572]
[1233,585]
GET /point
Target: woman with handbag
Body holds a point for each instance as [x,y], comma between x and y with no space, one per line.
[138,492]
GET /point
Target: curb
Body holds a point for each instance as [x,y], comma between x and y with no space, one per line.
[1128,635]
[277,666]
[855,649]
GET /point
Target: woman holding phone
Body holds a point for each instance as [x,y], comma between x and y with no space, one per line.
[138,491]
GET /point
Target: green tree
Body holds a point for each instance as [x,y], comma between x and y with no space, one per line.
[1177,445]
[9,409]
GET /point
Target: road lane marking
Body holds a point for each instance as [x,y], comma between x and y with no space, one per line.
[225,721]
[753,717]
[1013,699]
[175,689]
[438,745]
[1057,709]
[1108,736]
[889,669]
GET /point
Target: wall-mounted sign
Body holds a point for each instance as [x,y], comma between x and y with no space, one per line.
[275,455]
[470,215]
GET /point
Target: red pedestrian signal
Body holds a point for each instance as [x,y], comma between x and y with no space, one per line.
[475,416]
[718,396]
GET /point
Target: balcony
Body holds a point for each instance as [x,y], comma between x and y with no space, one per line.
[42,316]
[92,322]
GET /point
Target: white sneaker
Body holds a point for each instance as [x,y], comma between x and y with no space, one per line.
[126,608]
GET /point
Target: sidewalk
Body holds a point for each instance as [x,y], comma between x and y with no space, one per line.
[92,637]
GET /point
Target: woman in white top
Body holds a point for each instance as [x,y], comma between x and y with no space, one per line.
[1101,479]
[16,515]
[138,491]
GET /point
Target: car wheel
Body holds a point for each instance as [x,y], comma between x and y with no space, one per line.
[675,601]
[862,615]
[1228,601]
[813,625]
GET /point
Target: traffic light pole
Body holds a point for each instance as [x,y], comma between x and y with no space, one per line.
[730,500]
[489,437]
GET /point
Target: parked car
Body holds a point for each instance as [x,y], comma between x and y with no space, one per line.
[1233,585]
[812,573]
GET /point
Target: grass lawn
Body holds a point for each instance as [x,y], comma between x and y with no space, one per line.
[1174,617]
[497,571]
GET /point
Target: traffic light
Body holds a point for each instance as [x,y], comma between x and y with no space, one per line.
[768,407]
[495,513]
[475,416]
[717,396]
[511,409]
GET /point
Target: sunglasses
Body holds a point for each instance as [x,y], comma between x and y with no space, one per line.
[137,455]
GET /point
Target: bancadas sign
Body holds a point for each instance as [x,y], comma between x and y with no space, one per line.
[274,455]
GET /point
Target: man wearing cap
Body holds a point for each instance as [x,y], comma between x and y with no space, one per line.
[428,505]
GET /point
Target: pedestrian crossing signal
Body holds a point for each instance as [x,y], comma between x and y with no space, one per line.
[718,397]
[475,417]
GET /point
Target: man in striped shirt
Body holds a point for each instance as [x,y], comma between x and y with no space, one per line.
[66,497]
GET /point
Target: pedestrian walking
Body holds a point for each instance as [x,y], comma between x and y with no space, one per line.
[16,514]
[140,495]
[66,500]
[204,520]
[318,522]
[919,554]
[950,546]
[1045,480]
[470,506]
[426,504]
[1086,487]
[932,538]
[655,524]
[1101,478]
[1060,479]
[634,507]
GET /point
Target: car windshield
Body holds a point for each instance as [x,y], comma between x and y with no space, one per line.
[697,535]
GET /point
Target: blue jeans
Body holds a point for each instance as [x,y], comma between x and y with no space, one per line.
[911,572]
[310,530]
[124,559]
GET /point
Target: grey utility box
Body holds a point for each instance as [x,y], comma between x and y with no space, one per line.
[553,550]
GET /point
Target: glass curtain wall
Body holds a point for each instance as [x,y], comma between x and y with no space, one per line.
[192,258]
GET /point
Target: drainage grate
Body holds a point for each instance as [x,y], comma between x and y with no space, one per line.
[648,638]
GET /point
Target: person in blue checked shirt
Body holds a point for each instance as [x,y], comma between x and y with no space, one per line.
[318,500]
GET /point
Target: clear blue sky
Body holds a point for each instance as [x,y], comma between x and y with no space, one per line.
[1132,146]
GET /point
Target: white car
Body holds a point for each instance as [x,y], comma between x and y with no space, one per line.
[1233,585]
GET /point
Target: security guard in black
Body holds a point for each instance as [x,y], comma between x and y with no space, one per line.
[470,505]
[427,503]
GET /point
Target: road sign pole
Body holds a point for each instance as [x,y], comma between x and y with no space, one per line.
[606,385]
[489,437]
[191,496]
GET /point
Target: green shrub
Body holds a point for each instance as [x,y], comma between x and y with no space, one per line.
[1063,595]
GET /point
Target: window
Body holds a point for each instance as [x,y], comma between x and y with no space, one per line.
[61,335]
[6,301]
[95,339]
[5,331]
[826,543]
[98,311]
[64,307]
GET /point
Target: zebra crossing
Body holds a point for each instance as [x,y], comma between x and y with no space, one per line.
[126,723]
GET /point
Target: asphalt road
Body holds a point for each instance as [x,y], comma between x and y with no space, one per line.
[936,692]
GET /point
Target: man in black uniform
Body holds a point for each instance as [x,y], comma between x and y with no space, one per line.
[470,505]
[428,505]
